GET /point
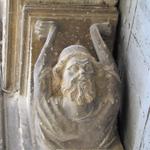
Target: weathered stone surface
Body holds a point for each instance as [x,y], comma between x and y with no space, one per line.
[1,99]
[76,102]
[134,60]
[81,2]
[22,48]
[19,32]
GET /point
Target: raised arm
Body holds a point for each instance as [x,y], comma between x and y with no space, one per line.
[112,89]
[103,52]
[108,81]
[43,68]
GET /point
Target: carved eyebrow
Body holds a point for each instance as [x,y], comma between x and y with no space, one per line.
[84,62]
[74,64]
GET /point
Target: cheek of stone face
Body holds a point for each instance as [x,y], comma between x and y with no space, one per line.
[68,78]
[74,77]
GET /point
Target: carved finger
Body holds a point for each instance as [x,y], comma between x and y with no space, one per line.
[42,28]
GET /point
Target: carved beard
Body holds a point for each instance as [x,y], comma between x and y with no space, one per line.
[80,90]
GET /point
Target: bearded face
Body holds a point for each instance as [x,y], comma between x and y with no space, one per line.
[78,82]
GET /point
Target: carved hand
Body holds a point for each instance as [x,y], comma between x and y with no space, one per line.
[102,50]
[44,29]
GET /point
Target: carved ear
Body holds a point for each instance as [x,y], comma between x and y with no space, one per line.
[56,81]
[57,71]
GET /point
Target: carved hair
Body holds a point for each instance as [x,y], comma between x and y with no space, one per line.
[65,56]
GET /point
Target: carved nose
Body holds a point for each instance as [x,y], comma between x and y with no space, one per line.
[82,71]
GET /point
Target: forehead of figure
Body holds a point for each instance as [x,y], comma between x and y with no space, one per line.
[79,63]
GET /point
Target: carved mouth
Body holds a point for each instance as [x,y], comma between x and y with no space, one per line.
[82,80]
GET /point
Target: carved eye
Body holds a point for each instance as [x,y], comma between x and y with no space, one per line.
[89,68]
[74,68]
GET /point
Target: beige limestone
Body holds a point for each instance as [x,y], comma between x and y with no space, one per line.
[22,47]
[83,2]
[76,102]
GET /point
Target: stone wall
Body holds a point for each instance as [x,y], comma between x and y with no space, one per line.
[21,49]
[134,62]
[1,24]
[1,103]
[0,31]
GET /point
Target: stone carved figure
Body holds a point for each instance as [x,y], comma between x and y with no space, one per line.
[76,102]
